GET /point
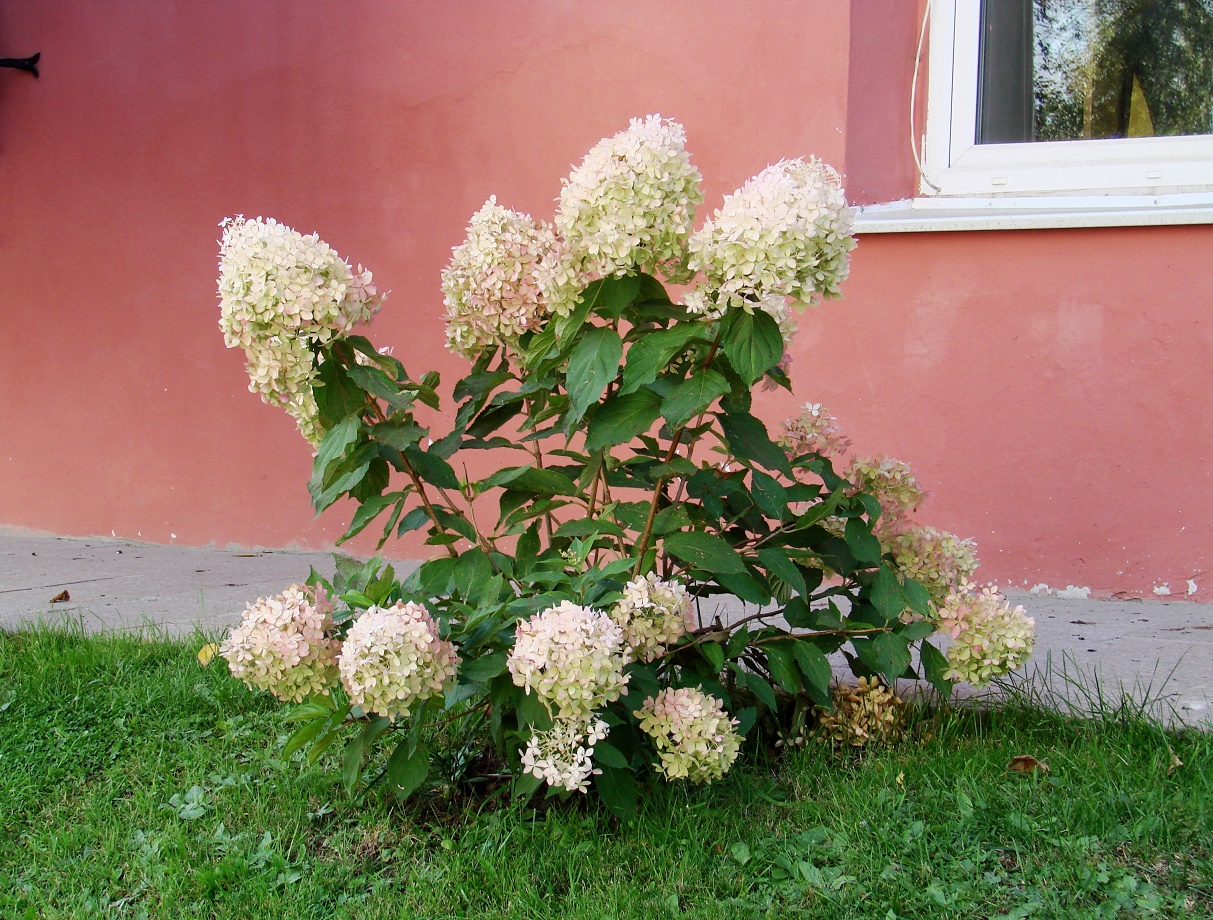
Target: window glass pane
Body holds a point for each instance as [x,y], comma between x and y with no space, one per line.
[1100,69]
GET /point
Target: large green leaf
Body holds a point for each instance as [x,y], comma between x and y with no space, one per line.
[887,596]
[617,788]
[783,667]
[649,355]
[748,440]
[398,434]
[692,396]
[934,666]
[781,566]
[592,365]
[815,668]
[863,544]
[621,418]
[751,341]
[407,768]
[337,396]
[704,551]
[432,468]
[892,655]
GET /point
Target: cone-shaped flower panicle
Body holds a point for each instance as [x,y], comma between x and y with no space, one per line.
[631,202]
[990,638]
[571,657]
[392,658]
[284,645]
[814,431]
[694,736]
[893,484]
[786,233]
[939,561]
[654,614]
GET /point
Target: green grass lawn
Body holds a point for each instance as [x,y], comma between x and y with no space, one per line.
[134,783]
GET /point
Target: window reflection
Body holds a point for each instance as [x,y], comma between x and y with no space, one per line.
[1098,69]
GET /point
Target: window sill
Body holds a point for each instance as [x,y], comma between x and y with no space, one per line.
[927,215]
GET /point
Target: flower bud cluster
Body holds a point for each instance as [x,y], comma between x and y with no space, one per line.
[814,431]
[280,291]
[893,484]
[654,614]
[939,561]
[492,286]
[784,234]
[392,657]
[990,638]
[563,755]
[866,713]
[694,736]
[571,657]
[631,202]
[284,645]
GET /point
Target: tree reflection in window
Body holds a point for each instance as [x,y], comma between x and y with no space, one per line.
[1122,68]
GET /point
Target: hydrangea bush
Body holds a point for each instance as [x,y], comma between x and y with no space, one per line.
[572,615]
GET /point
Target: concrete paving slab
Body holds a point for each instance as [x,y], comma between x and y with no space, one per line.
[1163,649]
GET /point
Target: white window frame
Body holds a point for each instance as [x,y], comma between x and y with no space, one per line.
[1086,183]
[954,164]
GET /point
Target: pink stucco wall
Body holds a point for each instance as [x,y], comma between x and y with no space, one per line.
[1052,388]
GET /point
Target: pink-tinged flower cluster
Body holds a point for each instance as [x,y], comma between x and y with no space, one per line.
[571,657]
[631,202]
[939,561]
[784,234]
[893,484]
[284,645]
[563,755]
[392,657]
[280,291]
[990,638]
[814,431]
[654,614]
[494,286]
[694,736]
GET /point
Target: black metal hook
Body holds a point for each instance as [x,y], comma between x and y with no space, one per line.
[29,64]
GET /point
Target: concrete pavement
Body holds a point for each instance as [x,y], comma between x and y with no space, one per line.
[1163,649]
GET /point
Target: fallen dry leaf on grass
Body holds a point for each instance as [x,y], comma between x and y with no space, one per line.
[1176,763]
[1026,763]
[207,653]
[61,597]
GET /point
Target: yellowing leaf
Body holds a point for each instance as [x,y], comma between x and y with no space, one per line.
[207,653]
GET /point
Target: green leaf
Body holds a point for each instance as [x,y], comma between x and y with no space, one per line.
[302,735]
[337,441]
[748,440]
[781,566]
[337,397]
[751,341]
[412,521]
[407,768]
[863,544]
[917,597]
[649,355]
[367,512]
[479,383]
[588,527]
[713,653]
[745,586]
[483,668]
[621,418]
[471,573]
[783,669]
[934,666]
[746,719]
[887,597]
[432,468]
[692,396]
[617,789]
[815,668]
[769,495]
[609,755]
[592,365]
[892,655]
[760,688]
[544,482]
[704,551]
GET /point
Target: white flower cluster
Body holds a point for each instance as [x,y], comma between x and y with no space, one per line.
[784,234]
[279,291]
[893,484]
[631,202]
[990,638]
[654,614]
[694,736]
[939,561]
[563,755]
[494,284]
[571,657]
[392,657]
[284,644]
[814,431]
